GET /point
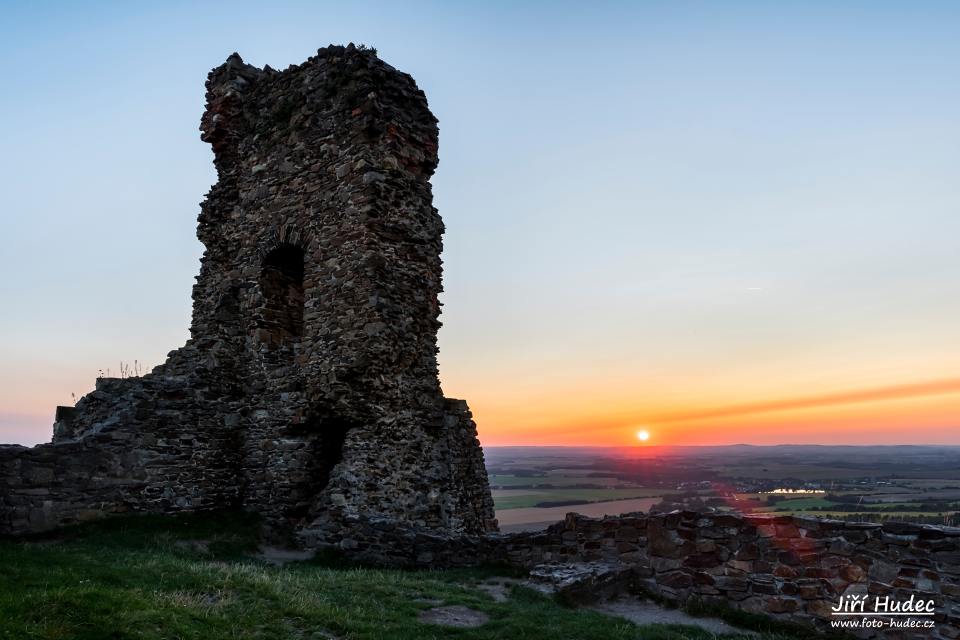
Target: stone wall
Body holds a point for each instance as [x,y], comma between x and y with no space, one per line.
[47,486]
[794,569]
[790,568]
[309,387]
[148,445]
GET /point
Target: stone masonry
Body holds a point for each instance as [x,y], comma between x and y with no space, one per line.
[793,569]
[308,390]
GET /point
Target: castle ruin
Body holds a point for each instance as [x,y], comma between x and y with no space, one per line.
[308,391]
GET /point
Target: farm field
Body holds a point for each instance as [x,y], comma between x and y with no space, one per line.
[531,502]
[552,480]
[535,486]
[801,504]
[865,516]
[519,498]
[533,519]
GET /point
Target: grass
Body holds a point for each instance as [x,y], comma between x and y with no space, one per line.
[503,480]
[192,577]
[866,514]
[801,504]
[911,506]
[531,498]
[776,470]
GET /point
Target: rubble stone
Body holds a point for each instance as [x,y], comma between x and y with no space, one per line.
[308,390]
[794,588]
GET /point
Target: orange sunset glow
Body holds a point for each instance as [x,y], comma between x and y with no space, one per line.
[616,320]
[736,237]
[922,412]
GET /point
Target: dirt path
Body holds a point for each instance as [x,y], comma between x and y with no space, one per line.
[646,612]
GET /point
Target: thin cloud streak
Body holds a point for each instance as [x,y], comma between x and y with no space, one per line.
[861,396]
[880,394]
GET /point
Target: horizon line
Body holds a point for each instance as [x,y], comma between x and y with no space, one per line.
[703,446]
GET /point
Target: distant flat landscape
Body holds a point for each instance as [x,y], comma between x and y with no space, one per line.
[533,518]
[534,487]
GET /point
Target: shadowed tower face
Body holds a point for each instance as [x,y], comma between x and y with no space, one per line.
[308,390]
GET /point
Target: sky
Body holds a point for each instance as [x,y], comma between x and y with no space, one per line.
[720,223]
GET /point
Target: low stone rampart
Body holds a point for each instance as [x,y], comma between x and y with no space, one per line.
[793,569]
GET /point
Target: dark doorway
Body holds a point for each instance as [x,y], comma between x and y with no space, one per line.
[281,283]
[325,440]
[330,450]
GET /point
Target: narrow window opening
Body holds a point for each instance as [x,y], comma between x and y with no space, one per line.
[281,283]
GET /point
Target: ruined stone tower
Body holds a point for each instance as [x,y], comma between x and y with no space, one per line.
[308,391]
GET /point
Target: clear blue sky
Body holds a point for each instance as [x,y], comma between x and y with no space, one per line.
[651,206]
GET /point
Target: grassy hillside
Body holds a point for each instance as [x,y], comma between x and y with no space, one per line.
[193,577]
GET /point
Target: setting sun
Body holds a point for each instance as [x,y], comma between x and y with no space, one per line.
[643,435]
